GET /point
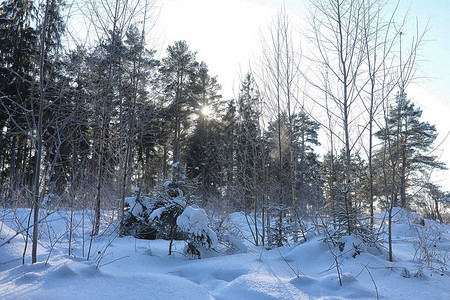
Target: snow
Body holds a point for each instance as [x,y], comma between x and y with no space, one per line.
[129,268]
[156,214]
[180,200]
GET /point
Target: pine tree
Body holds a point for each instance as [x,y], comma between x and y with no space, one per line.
[308,181]
[203,147]
[409,140]
[177,70]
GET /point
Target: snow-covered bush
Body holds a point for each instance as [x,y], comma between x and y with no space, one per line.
[167,216]
[233,244]
[136,216]
[169,204]
[200,238]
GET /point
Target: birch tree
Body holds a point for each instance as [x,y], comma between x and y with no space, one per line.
[336,36]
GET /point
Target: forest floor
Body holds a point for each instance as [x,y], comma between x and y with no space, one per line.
[129,268]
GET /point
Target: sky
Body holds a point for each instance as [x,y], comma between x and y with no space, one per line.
[226,35]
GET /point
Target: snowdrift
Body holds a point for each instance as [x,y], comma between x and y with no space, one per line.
[139,269]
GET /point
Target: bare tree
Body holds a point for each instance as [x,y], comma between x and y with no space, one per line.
[336,35]
[379,38]
[38,120]
[110,19]
[136,82]
[356,43]
[279,78]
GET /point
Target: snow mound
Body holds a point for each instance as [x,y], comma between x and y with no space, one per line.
[64,271]
[351,246]
[12,246]
[328,287]
[313,251]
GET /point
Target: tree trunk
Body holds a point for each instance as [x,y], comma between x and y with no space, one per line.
[436,206]
[172,237]
[97,215]
[12,174]
[39,137]
[403,202]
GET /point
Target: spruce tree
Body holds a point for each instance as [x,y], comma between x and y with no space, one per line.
[228,151]
[248,142]
[333,170]
[170,205]
[18,40]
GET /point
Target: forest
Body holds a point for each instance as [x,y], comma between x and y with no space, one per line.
[328,134]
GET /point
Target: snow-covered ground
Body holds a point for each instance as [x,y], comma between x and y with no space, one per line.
[128,268]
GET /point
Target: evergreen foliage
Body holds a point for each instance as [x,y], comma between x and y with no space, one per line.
[408,140]
[18,41]
[248,144]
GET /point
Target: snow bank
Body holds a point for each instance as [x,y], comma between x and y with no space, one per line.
[141,269]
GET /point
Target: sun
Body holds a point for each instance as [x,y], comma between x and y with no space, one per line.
[206,111]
